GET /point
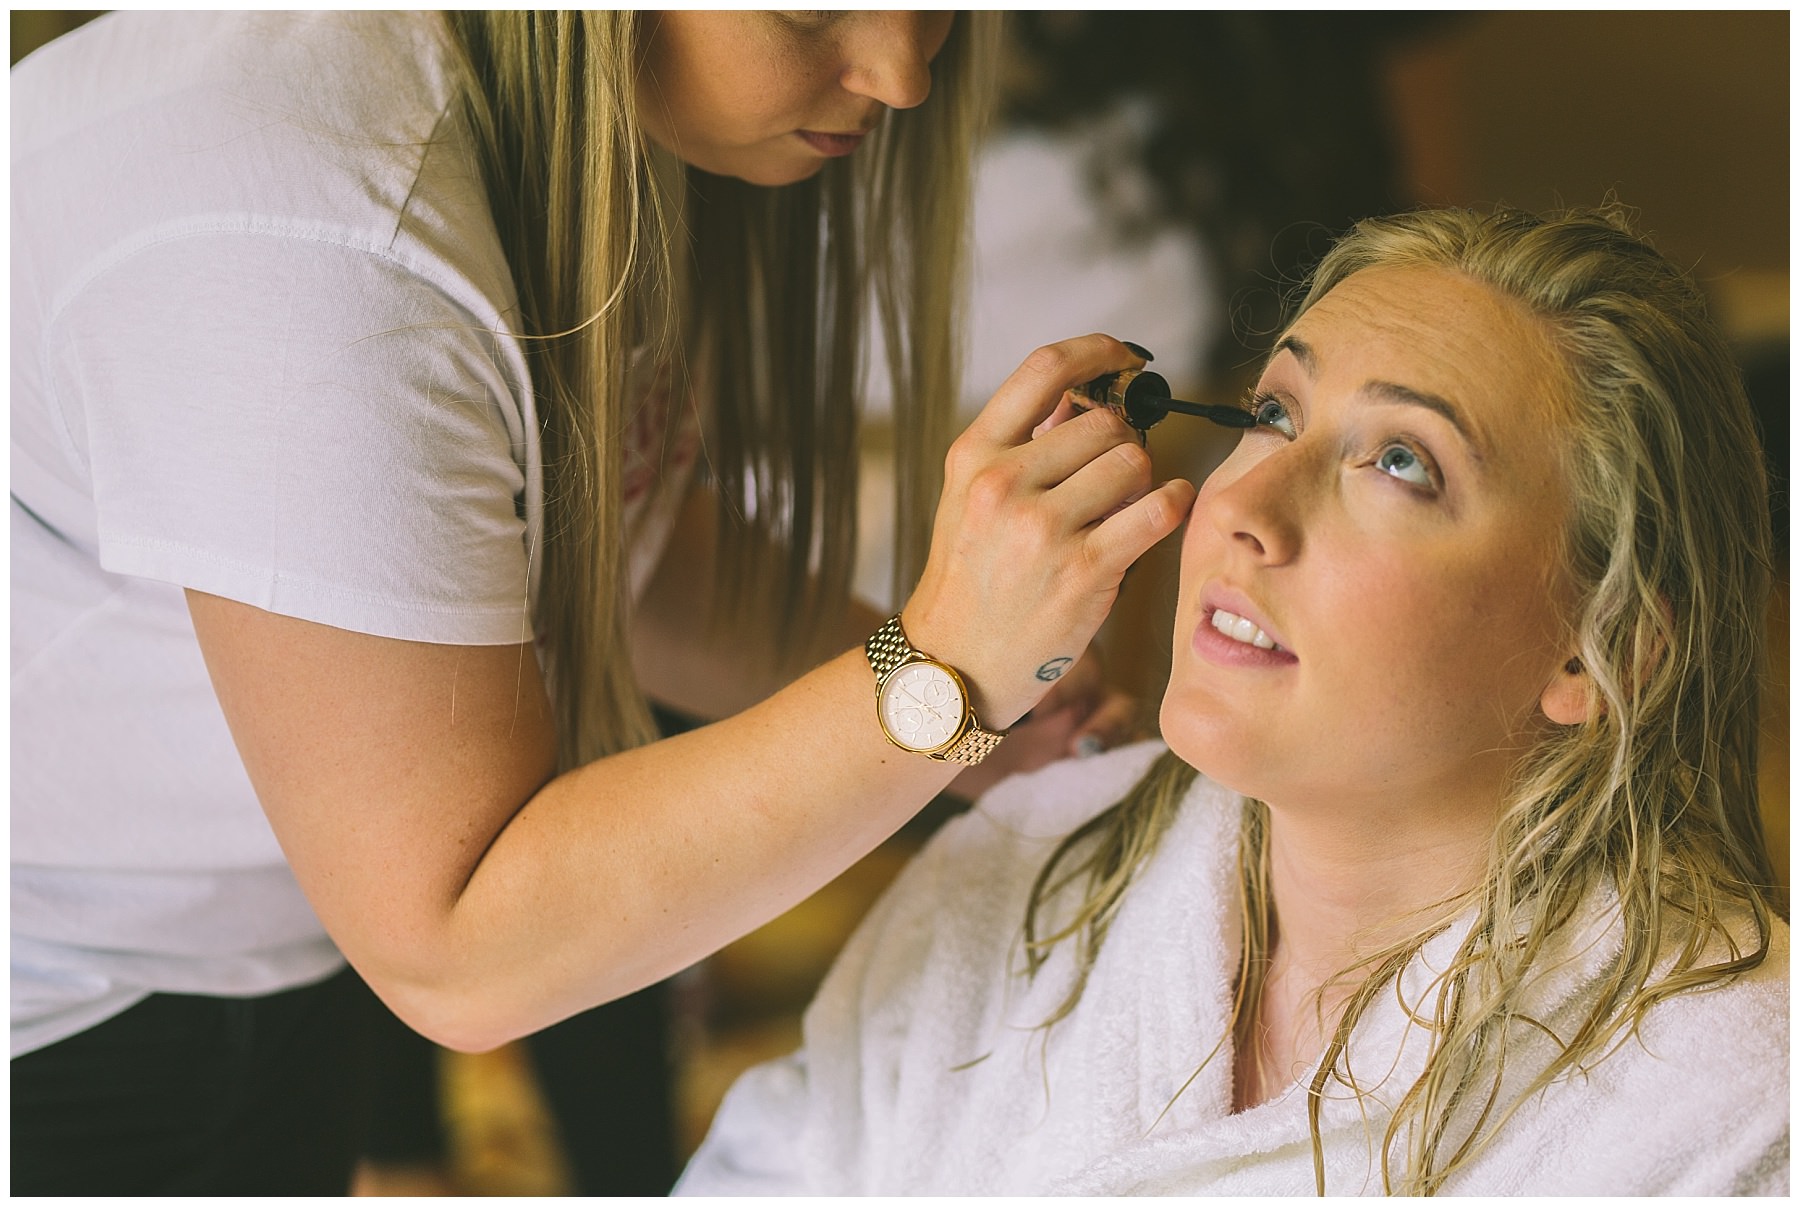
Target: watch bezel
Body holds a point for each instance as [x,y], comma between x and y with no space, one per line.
[963,725]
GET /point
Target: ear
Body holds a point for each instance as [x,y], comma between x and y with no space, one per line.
[1569,698]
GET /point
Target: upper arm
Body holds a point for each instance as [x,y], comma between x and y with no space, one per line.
[351,447]
[385,767]
[340,455]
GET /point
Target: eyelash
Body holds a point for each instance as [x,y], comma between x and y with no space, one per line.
[1255,401]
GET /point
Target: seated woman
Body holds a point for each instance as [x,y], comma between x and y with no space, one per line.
[1451,876]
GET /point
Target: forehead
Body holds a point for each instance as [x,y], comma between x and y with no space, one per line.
[1438,331]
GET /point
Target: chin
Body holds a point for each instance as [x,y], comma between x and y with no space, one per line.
[772,176]
[1209,743]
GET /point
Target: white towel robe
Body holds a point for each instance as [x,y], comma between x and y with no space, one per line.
[924,1071]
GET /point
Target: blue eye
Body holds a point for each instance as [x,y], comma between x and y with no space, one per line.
[1401,462]
[1270,413]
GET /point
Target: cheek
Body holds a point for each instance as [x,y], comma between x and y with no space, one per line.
[1202,555]
[1193,539]
[1200,539]
[934,32]
[725,79]
[1463,647]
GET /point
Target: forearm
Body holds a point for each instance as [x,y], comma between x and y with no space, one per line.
[622,872]
[412,785]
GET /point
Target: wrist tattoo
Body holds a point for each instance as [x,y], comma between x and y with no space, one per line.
[1053,669]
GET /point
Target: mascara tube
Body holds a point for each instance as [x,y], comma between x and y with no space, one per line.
[1141,398]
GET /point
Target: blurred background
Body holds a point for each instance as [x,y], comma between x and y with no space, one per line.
[1161,177]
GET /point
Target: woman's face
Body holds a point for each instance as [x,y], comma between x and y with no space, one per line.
[1382,554]
[770,97]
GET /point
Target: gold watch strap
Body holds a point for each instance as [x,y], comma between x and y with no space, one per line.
[975,745]
[887,648]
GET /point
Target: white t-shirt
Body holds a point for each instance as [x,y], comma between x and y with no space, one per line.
[261,348]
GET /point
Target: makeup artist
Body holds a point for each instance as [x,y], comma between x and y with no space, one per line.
[363,363]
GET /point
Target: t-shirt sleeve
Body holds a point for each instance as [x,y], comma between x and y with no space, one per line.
[306,426]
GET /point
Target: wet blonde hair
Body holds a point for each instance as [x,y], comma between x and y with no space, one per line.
[1654,795]
[766,318]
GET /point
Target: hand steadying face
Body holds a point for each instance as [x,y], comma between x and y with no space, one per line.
[1372,596]
[770,97]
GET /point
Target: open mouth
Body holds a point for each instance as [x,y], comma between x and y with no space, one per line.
[1239,629]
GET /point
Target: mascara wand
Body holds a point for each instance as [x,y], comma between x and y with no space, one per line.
[1141,399]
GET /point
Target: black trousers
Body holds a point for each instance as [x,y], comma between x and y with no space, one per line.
[200,1095]
[607,1079]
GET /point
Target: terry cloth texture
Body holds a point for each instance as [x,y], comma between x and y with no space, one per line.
[924,1069]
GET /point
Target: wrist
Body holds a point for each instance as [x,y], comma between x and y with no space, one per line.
[924,704]
[951,644]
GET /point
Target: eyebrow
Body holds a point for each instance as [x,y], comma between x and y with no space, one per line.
[1390,391]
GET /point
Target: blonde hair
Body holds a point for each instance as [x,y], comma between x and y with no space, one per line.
[1655,794]
[773,300]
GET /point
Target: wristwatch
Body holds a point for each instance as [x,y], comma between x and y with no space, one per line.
[923,704]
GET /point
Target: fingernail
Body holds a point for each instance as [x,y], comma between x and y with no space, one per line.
[1026,719]
[1139,349]
[1088,745]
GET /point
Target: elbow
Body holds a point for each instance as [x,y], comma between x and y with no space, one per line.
[469,1040]
[473,996]
[451,1018]
[459,1012]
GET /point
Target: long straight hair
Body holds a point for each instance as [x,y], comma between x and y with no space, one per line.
[766,318]
[1654,795]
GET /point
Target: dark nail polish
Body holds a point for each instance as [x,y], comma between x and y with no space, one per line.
[1139,349]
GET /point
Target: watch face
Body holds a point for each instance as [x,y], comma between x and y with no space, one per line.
[921,706]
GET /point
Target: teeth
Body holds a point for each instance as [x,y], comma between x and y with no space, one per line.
[1239,629]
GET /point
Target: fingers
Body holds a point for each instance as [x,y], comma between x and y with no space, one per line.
[1113,478]
[1111,723]
[1059,452]
[1033,536]
[1097,716]
[1065,411]
[1033,392]
[1127,534]
[1068,479]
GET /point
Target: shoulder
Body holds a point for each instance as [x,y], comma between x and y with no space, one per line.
[362,72]
[1740,1025]
[1694,1101]
[1762,986]
[319,128]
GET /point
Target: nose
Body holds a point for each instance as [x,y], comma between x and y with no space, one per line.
[1258,511]
[891,62]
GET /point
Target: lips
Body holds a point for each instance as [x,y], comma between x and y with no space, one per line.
[1233,632]
[833,145]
